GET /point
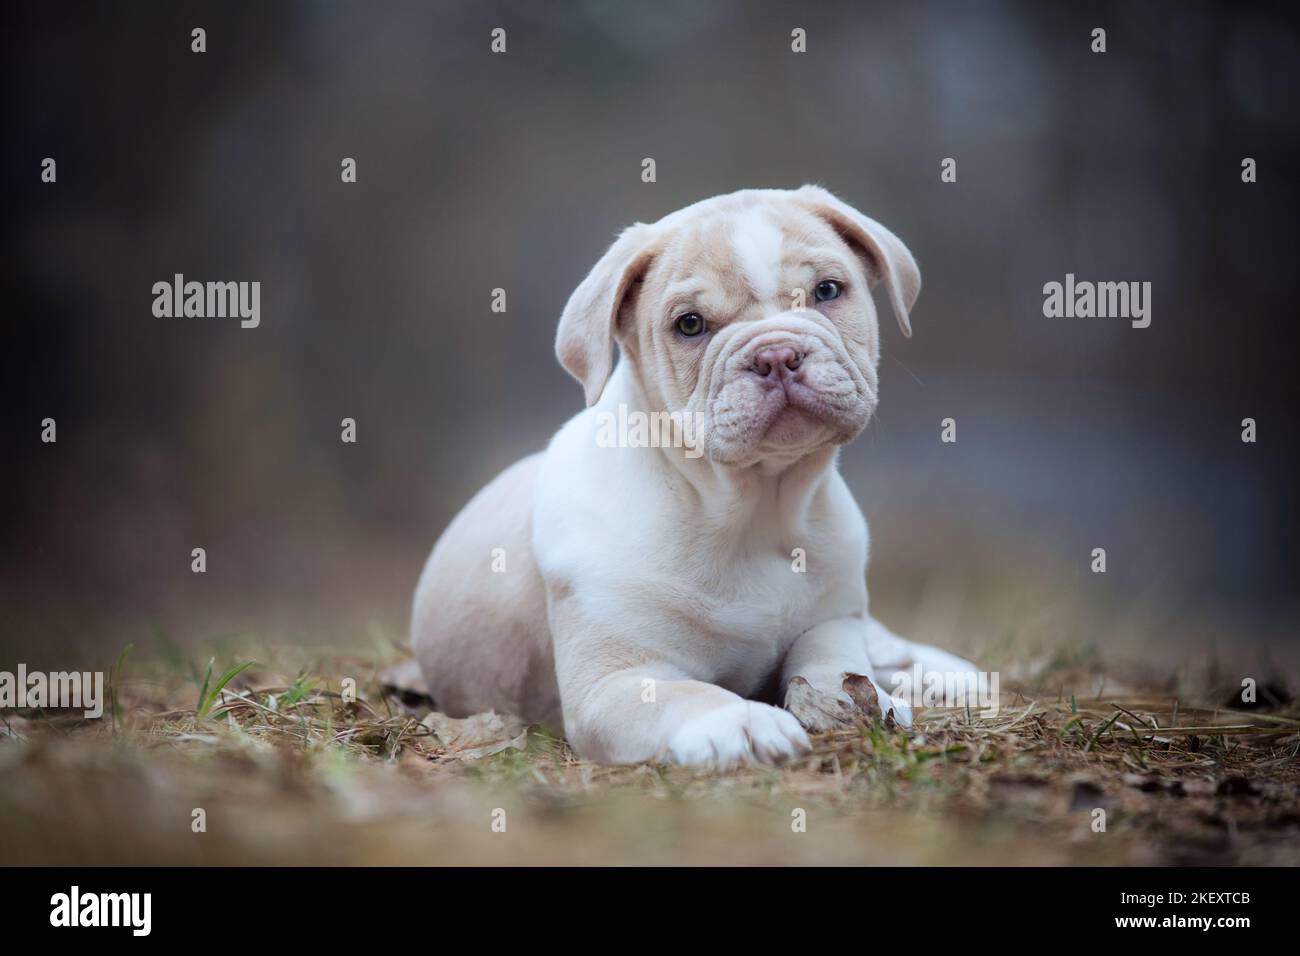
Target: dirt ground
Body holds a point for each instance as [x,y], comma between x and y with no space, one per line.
[279,766]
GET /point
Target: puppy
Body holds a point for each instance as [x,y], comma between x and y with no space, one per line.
[702,600]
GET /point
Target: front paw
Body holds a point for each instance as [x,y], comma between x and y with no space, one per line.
[859,700]
[744,732]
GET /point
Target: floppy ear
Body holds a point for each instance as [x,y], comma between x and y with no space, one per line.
[887,258]
[585,340]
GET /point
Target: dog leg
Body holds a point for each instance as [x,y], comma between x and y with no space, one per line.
[625,701]
[890,653]
[655,713]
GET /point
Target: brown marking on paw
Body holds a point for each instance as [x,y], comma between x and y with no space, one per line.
[820,713]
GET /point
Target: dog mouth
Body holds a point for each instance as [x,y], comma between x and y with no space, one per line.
[791,425]
[783,397]
[785,418]
[793,408]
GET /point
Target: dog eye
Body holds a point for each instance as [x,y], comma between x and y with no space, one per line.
[691,324]
[826,290]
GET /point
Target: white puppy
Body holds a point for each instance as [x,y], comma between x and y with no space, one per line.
[657,602]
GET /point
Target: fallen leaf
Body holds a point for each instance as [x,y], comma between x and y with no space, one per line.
[480,735]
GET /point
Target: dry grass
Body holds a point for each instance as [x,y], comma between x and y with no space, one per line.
[289,772]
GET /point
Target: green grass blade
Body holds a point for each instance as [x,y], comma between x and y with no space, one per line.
[203,691]
[226,678]
[114,679]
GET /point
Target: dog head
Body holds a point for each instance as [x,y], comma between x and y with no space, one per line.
[749,311]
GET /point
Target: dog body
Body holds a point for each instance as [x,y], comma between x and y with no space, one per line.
[661,602]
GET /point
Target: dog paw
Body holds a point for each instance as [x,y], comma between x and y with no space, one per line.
[744,732]
[859,700]
[868,695]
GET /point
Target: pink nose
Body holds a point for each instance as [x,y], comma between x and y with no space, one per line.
[776,363]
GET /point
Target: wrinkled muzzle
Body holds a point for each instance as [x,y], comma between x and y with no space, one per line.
[781,388]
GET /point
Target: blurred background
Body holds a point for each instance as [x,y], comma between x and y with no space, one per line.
[478,171]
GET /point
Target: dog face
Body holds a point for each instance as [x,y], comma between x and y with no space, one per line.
[750,311]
